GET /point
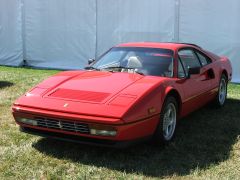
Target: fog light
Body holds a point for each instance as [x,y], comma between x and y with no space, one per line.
[27,121]
[102,130]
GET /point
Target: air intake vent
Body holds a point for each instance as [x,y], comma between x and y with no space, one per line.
[62,125]
[80,95]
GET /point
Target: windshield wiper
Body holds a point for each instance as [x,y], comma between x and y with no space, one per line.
[91,68]
[122,67]
[117,67]
[139,72]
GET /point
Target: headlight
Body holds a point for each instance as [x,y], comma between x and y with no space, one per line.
[27,121]
[100,130]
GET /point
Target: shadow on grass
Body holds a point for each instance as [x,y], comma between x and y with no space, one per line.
[204,138]
[4,84]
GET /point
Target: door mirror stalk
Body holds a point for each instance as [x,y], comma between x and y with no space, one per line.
[193,70]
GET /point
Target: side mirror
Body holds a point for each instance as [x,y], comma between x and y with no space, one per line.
[90,61]
[193,70]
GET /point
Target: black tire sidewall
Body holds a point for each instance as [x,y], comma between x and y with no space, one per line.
[158,135]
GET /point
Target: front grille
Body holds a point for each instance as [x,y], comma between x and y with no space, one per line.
[62,125]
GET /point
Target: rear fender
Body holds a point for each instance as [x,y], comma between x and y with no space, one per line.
[226,67]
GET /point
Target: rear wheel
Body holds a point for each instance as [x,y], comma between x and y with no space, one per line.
[222,92]
[168,121]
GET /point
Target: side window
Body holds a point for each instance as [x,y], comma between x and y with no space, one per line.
[181,72]
[189,59]
[204,60]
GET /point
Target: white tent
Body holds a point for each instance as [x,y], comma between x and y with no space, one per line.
[65,33]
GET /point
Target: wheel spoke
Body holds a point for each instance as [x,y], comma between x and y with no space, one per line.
[166,131]
[169,112]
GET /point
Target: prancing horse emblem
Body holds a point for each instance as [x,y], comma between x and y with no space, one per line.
[65,105]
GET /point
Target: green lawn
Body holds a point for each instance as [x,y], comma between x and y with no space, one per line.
[207,144]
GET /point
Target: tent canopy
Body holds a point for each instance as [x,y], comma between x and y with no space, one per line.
[64,34]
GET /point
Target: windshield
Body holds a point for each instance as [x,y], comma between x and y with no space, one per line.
[146,61]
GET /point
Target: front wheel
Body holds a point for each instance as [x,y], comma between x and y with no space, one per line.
[222,92]
[168,121]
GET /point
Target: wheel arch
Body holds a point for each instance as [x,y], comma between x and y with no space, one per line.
[224,71]
[176,95]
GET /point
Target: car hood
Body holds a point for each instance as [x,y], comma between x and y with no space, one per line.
[94,93]
[93,86]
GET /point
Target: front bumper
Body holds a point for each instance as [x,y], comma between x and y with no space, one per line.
[84,140]
[127,133]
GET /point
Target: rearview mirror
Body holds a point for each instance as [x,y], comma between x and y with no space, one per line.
[90,61]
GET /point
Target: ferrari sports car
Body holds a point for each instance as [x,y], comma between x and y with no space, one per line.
[133,92]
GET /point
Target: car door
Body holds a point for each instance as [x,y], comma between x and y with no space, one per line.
[195,86]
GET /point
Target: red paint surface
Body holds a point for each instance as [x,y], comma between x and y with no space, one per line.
[122,99]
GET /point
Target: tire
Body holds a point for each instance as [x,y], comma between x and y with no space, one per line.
[165,130]
[222,92]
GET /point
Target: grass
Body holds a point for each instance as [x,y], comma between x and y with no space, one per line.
[207,144]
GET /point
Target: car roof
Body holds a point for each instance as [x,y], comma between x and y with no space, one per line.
[164,45]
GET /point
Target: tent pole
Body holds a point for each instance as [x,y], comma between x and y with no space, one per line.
[96,33]
[176,22]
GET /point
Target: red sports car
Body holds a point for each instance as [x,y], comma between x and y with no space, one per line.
[133,92]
